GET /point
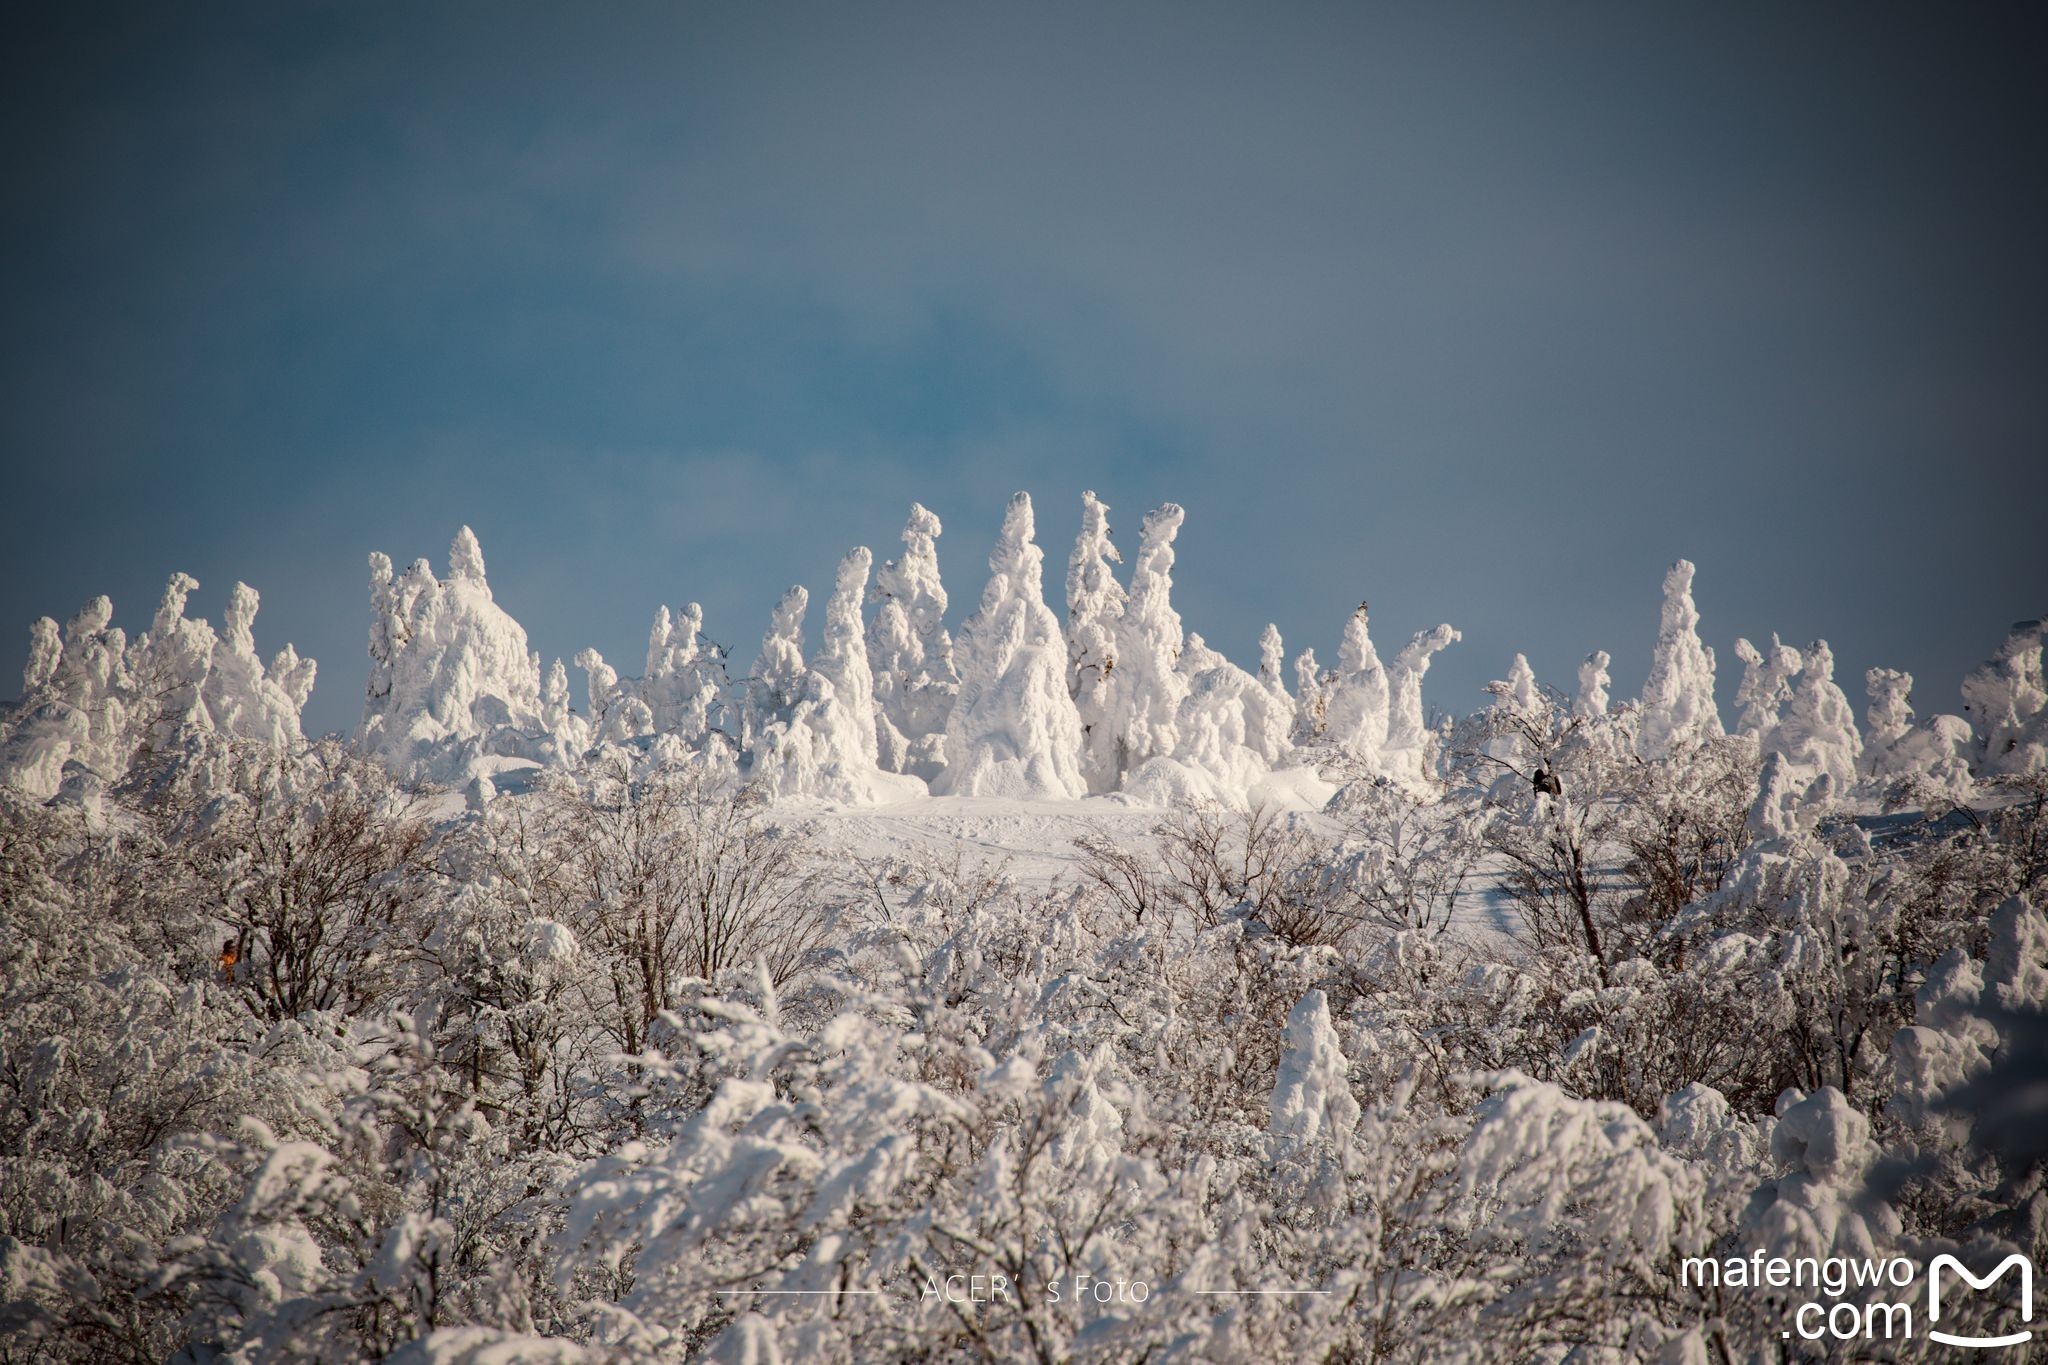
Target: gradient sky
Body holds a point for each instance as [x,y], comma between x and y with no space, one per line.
[1486,314]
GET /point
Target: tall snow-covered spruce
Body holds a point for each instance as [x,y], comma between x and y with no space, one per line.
[1147,685]
[1095,612]
[1014,731]
[1817,730]
[1678,695]
[911,654]
[1359,700]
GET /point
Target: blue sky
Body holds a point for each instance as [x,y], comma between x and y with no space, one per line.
[1485,314]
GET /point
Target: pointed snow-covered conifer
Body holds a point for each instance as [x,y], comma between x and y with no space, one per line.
[1360,700]
[570,732]
[910,654]
[1593,684]
[1148,684]
[684,677]
[912,581]
[1095,609]
[1678,695]
[1273,662]
[466,557]
[842,659]
[1014,731]
[892,648]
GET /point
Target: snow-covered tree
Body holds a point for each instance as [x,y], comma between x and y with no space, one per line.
[1311,698]
[1520,710]
[1359,699]
[1678,694]
[452,679]
[1229,733]
[1014,731]
[1406,752]
[1147,683]
[826,743]
[1765,687]
[814,729]
[1273,661]
[1933,754]
[778,673]
[618,715]
[685,676]
[1817,730]
[1593,683]
[2007,699]
[842,657]
[1095,612]
[911,654]
[1312,1094]
[568,729]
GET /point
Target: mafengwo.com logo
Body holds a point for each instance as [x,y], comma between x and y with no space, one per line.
[2012,1262]
[1881,1308]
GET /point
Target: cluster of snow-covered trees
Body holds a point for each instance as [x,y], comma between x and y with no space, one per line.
[1119,699]
[1455,1047]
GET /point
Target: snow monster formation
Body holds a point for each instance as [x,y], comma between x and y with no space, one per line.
[451,678]
[1120,699]
[2007,699]
[911,655]
[1013,731]
[1678,696]
[93,701]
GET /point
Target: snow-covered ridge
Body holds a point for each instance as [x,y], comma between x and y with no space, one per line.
[1118,699]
